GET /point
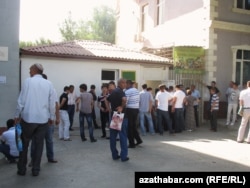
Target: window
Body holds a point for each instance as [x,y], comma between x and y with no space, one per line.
[243,4]
[242,66]
[144,16]
[160,12]
[129,75]
[108,75]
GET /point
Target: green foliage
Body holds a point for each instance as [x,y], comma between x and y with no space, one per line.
[41,41]
[100,28]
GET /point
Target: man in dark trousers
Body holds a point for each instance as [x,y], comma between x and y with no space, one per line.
[92,91]
[117,102]
[35,111]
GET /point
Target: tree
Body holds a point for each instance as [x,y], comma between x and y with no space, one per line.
[101,27]
[69,29]
[41,41]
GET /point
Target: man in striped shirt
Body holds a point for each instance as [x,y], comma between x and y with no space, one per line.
[132,110]
[214,109]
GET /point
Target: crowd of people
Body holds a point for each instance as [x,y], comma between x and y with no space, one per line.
[172,109]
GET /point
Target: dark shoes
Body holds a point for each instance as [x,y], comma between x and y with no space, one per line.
[93,140]
[124,160]
[35,173]
[52,161]
[84,139]
[21,173]
[118,157]
[131,146]
[138,143]
[103,136]
[71,129]
[12,161]
[213,130]
[30,164]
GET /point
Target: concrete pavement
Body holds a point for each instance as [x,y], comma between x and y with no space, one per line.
[85,164]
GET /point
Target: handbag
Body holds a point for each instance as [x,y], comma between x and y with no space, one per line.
[116,121]
[19,143]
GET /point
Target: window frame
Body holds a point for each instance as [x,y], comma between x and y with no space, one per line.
[241,10]
[160,4]
[239,63]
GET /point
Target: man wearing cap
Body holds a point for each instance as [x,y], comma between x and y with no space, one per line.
[35,110]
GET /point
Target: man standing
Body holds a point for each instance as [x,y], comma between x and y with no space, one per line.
[177,108]
[245,104]
[214,109]
[71,105]
[36,105]
[117,101]
[162,99]
[145,108]
[92,91]
[232,105]
[49,134]
[132,111]
[86,107]
[64,116]
[196,94]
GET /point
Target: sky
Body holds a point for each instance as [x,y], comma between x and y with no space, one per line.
[42,18]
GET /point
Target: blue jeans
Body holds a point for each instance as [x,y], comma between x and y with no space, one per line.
[5,149]
[48,142]
[179,120]
[164,115]
[123,141]
[90,127]
[142,116]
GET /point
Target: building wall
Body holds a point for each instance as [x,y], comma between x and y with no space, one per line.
[9,69]
[62,72]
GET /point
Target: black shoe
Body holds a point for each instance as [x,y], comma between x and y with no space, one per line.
[30,164]
[138,143]
[103,136]
[84,139]
[93,140]
[131,146]
[35,173]
[52,161]
[71,129]
[21,173]
[12,161]
[118,157]
[107,137]
[124,160]
[97,127]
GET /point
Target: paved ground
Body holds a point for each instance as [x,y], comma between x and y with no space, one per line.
[86,164]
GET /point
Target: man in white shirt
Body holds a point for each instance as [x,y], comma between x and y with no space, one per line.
[177,108]
[72,98]
[8,146]
[245,104]
[162,99]
[35,110]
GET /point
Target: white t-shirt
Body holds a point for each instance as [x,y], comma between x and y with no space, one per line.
[180,95]
[162,100]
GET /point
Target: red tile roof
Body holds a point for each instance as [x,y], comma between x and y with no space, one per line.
[87,49]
